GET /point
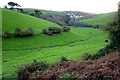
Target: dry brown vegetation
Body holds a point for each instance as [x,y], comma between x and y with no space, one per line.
[104,67]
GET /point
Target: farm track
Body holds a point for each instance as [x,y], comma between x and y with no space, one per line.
[14,50]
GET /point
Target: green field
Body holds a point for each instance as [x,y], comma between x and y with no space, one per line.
[12,19]
[87,40]
[73,44]
[44,11]
[101,19]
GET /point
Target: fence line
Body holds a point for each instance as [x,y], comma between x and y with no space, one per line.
[7,76]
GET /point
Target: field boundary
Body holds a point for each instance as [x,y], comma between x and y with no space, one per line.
[7,76]
[14,50]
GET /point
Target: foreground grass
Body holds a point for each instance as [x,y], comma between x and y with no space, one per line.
[73,51]
[101,19]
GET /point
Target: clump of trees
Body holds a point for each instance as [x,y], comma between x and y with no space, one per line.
[55,30]
[19,33]
[15,7]
[113,28]
[79,24]
[12,4]
[61,19]
[36,13]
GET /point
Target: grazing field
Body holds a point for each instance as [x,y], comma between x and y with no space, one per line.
[43,11]
[73,44]
[50,48]
[12,19]
[45,40]
[101,19]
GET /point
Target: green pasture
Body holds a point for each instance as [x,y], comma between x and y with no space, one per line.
[102,19]
[85,40]
[12,19]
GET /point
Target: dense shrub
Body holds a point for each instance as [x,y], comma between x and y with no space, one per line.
[32,14]
[52,30]
[7,34]
[63,59]
[17,32]
[86,56]
[79,24]
[25,70]
[55,30]
[29,32]
[44,31]
[23,33]
[113,28]
[102,52]
[66,28]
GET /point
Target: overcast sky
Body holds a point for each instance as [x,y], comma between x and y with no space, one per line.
[91,6]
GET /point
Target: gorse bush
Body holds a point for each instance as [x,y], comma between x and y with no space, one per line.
[44,31]
[37,66]
[23,33]
[19,33]
[86,56]
[63,59]
[7,34]
[26,70]
[66,28]
[17,30]
[55,30]
[30,31]
[52,30]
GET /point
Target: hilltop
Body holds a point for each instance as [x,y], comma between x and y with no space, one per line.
[73,14]
[43,11]
[12,19]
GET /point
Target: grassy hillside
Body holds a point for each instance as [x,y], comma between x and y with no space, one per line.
[12,19]
[45,40]
[43,11]
[101,19]
[73,44]
[50,48]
